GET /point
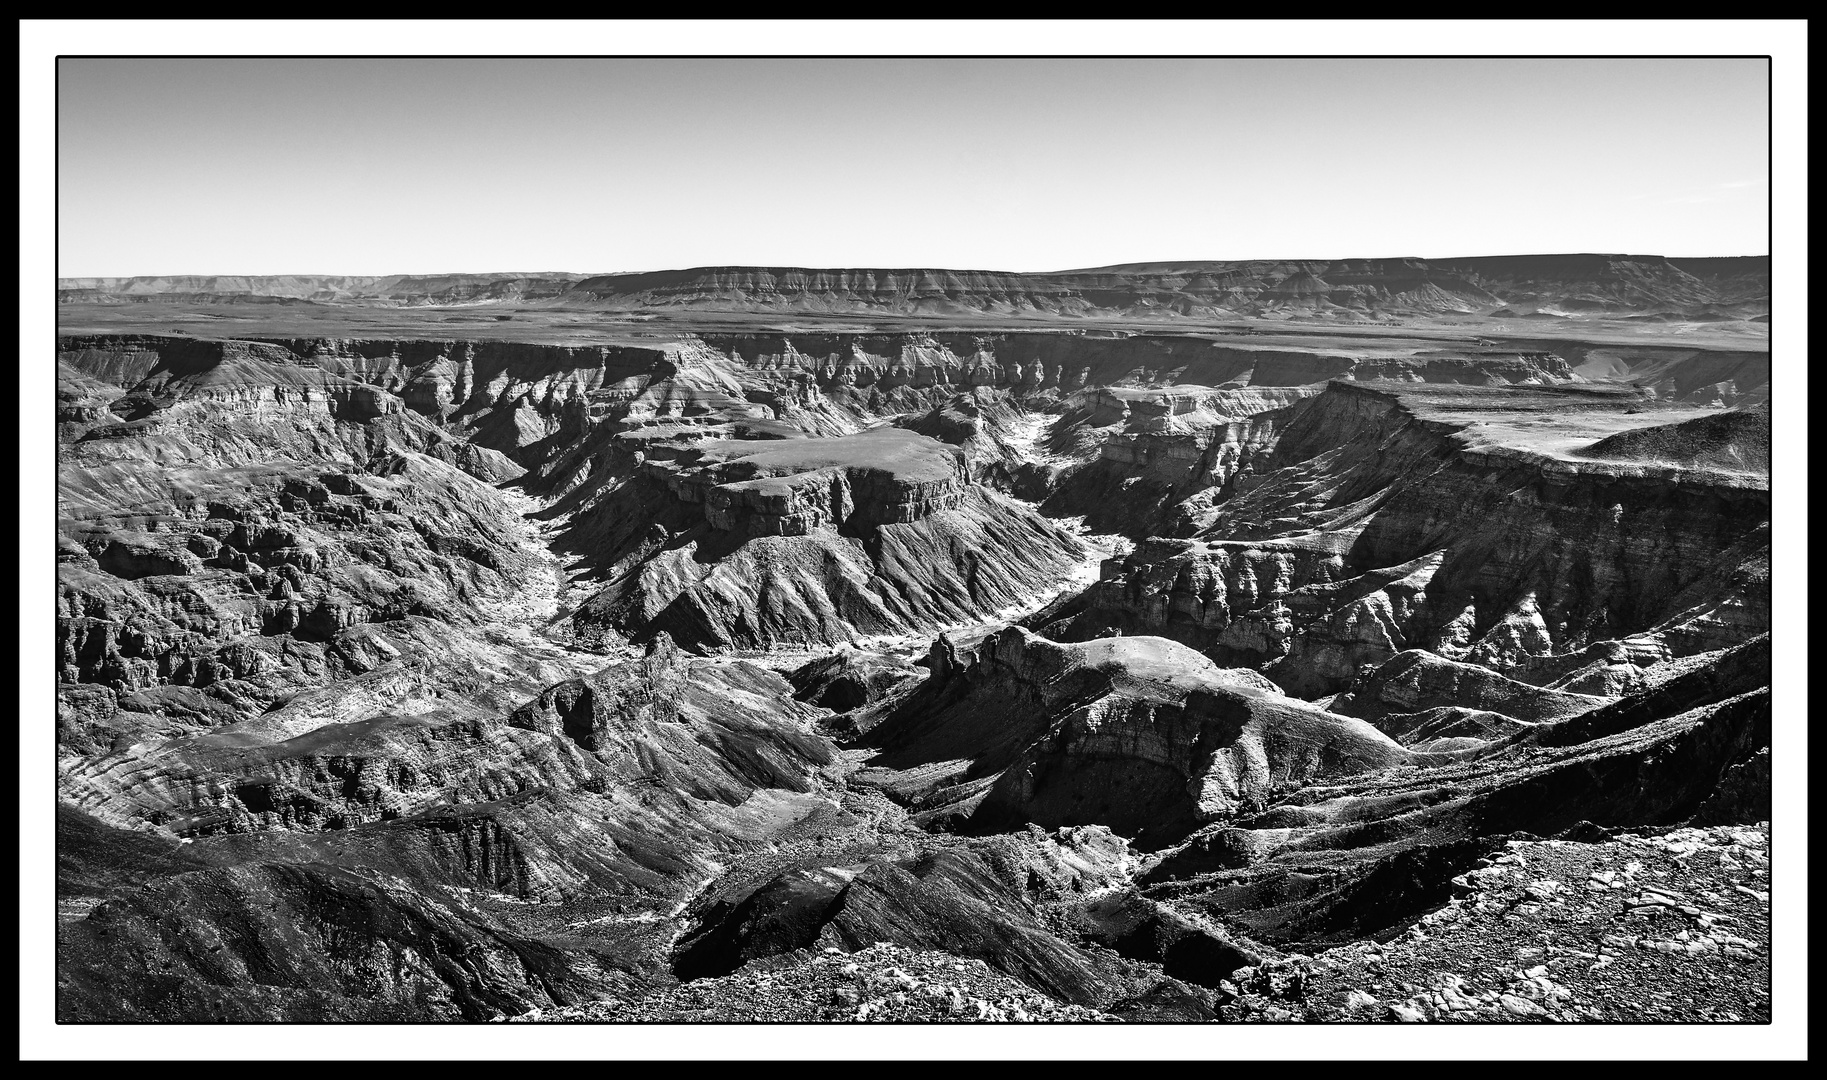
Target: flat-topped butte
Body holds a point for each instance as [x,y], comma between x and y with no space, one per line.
[788,487]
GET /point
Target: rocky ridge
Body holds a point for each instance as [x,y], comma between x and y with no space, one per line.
[1546,286]
[1556,931]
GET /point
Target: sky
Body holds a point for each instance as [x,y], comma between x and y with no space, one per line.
[381,166]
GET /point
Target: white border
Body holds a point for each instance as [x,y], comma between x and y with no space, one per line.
[42,40]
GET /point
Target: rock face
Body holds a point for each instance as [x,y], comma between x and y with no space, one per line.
[1387,520]
[255,527]
[603,800]
[719,724]
[709,735]
[968,902]
[1172,446]
[291,943]
[1139,734]
[855,483]
[1388,846]
[849,679]
[821,541]
[1415,681]
[1078,671]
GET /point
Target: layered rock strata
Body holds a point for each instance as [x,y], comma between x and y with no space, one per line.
[1139,734]
[1549,286]
[1390,521]
[820,541]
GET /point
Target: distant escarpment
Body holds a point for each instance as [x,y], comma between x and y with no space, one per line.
[384,290]
[1340,290]
[1566,285]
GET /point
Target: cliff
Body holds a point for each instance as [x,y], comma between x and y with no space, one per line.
[1364,289]
[1383,520]
[1139,734]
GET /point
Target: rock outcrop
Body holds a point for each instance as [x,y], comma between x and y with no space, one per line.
[820,541]
[850,678]
[1384,520]
[1416,681]
[969,903]
[1141,735]
[302,943]
[1386,846]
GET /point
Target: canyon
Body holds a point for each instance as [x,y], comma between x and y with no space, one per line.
[1172,642]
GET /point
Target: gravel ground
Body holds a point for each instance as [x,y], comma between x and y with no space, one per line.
[1639,928]
[881,984]
[1666,926]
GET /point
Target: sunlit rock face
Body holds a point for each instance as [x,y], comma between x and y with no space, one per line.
[1139,734]
[802,540]
[1384,520]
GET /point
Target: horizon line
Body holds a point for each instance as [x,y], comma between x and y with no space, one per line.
[861,266]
